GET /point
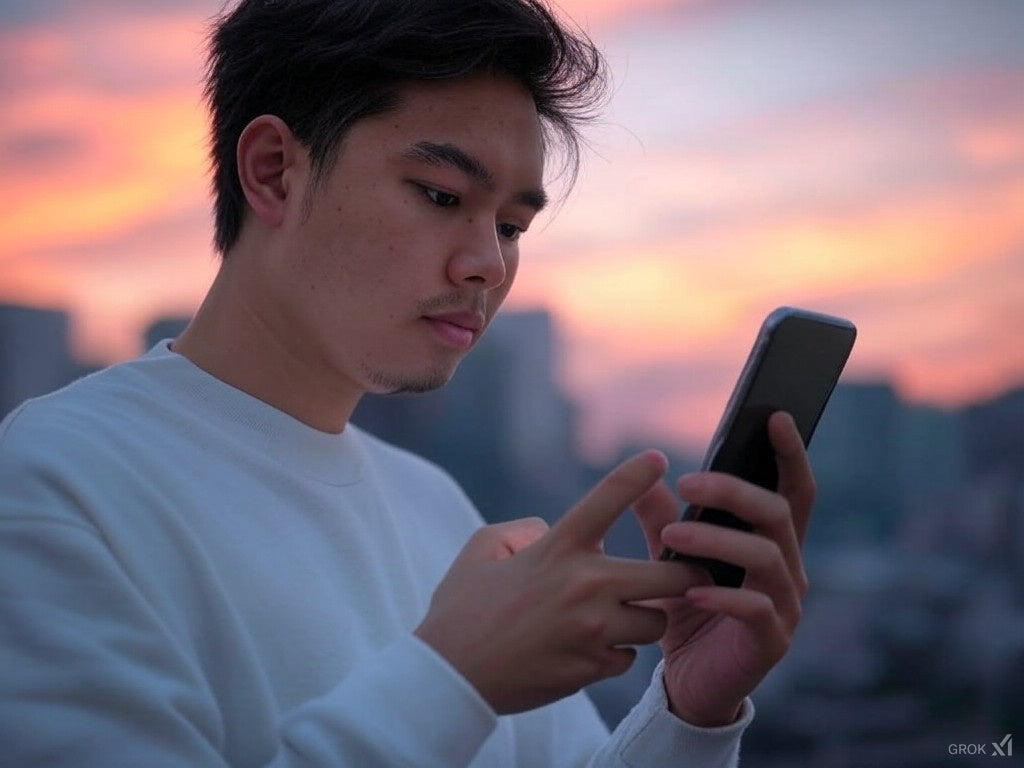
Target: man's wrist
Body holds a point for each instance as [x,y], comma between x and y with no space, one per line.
[653,735]
[718,717]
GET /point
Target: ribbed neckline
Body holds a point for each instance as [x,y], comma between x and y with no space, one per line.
[334,459]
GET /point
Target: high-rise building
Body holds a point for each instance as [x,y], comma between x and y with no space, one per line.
[163,328]
[537,419]
[856,455]
[34,354]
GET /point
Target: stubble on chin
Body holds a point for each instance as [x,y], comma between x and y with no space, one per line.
[386,383]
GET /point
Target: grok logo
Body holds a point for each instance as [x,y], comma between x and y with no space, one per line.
[1006,744]
[1003,748]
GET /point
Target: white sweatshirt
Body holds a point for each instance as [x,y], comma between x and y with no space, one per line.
[190,577]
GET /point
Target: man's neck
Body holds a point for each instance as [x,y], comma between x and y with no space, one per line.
[235,337]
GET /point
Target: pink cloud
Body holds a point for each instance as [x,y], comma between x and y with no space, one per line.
[894,202]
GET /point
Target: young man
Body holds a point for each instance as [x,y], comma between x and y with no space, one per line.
[203,564]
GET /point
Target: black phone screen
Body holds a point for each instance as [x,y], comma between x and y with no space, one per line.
[794,367]
[796,371]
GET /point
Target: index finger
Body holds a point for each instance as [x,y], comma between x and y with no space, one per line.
[796,478]
[588,521]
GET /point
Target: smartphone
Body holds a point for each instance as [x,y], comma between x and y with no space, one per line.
[793,366]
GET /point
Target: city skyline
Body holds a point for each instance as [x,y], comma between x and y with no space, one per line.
[912,636]
[859,158]
[517,362]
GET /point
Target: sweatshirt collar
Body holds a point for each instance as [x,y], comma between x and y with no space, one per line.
[332,458]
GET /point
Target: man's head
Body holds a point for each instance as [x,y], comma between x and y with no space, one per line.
[322,65]
[375,162]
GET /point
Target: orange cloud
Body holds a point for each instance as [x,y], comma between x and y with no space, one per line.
[994,145]
[133,158]
[102,135]
[905,268]
[897,206]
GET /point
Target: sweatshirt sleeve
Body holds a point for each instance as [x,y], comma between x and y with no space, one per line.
[571,734]
[407,683]
[91,677]
[650,735]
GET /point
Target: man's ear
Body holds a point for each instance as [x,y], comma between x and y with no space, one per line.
[270,163]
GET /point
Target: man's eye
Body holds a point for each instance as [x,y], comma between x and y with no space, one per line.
[509,231]
[437,197]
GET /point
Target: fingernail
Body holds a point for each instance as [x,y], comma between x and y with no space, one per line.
[689,482]
[696,596]
[657,459]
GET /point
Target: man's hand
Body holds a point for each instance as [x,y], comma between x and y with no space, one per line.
[721,641]
[529,615]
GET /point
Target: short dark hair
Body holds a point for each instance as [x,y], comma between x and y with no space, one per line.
[321,65]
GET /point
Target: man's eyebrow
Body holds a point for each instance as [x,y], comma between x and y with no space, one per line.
[448,154]
[534,198]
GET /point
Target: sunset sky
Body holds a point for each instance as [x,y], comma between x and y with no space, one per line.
[859,157]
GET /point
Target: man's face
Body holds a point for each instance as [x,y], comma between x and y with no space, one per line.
[409,244]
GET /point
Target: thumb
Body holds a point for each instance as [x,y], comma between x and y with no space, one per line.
[502,540]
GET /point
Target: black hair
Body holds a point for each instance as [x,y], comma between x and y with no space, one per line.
[321,65]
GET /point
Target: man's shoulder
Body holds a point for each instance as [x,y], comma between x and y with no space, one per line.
[57,450]
[79,416]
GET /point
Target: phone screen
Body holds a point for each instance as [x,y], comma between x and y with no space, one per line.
[794,366]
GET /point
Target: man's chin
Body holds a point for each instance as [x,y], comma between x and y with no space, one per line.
[397,384]
[416,387]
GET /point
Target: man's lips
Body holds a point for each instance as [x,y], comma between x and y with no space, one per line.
[472,321]
[458,329]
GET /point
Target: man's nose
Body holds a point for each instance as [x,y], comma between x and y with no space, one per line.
[478,259]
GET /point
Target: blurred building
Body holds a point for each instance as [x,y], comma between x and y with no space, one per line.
[163,328]
[913,633]
[876,457]
[855,453]
[995,435]
[35,356]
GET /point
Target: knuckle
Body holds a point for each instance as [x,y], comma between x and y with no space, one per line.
[765,608]
[774,514]
[682,532]
[780,512]
[591,628]
[769,555]
[761,611]
[586,583]
[807,494]
[728,491]
[625,479]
